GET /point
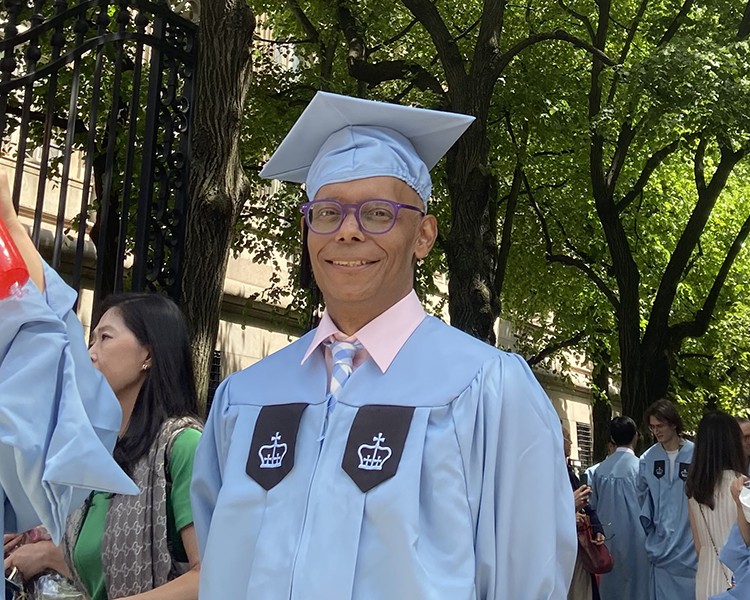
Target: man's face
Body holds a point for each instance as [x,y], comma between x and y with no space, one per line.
[364,274]
[663,432]
[746,438]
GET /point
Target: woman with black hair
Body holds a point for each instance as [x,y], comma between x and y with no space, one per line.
[140,546]
[717,462]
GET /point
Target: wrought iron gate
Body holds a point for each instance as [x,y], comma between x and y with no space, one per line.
[95,112]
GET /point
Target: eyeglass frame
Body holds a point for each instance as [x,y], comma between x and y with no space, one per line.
[356,208]
[658,426]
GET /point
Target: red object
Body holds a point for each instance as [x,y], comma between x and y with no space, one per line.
[595,558]
[13,271]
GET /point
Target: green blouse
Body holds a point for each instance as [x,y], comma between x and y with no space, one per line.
[87,553]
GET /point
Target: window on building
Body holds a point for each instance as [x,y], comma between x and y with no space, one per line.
[585,445]
[214,378]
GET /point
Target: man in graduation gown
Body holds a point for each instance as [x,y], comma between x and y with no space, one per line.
[662,472]
[436,469]
[614,496]
[59,419]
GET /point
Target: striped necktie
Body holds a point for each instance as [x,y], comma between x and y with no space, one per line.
[343,356]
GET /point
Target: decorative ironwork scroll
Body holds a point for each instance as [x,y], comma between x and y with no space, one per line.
[95,112]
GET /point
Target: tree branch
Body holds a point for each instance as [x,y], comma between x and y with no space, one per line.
[558,34]
[57,121]
[506,238]
[699,166]
[450,56]
[658,323]
[626,48]
[699,326]
[582,18]
[596,151]
[395,38]
[676,23]
[744,29]
[376,73]
[302,19]
[624,139]
[652,163]
[564,259]
[487,46]
[555,347]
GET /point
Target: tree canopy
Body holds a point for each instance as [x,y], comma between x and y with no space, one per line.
[598,201]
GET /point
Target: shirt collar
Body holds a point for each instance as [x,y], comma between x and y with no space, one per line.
[625,449]
[382,337]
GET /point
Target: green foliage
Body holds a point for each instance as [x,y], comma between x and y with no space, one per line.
[671,84]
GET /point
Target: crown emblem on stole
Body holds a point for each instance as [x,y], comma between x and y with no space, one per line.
[272,455]
[373,457]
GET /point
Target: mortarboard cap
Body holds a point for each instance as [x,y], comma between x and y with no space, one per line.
[339,138]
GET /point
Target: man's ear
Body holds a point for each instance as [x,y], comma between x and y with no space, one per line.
[426,236]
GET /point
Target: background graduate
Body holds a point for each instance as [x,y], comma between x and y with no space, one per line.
[614,496]
[662,472]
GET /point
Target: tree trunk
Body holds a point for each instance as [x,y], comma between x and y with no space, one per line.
[218,187]
[601,411]
[471,246]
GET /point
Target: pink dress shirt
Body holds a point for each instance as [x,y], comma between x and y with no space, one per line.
[381,338]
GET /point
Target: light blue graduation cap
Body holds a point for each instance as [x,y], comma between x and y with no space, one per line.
[340,138]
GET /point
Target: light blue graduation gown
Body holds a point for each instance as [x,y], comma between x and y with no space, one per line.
[589,473]
[59,419]
[614,496]
[736,556]
[665,519]
[480,506]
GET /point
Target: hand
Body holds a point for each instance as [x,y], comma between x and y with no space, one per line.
[31,559]
[10,542]
[598,539]
[581,496]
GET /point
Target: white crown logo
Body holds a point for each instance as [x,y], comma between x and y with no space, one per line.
[659,471]
[272,455]
[372,458]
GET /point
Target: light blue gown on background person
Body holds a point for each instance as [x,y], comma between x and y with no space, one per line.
[479,507]
[59,419]
[736,556]
[665,519]
[614,496]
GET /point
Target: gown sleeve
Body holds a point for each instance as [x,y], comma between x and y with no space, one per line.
[208,467]
[736,556]
[644,498]
[59,419]
[517,479]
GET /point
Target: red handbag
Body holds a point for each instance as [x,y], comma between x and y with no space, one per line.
[595,558]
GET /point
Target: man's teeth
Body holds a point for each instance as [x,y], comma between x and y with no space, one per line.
[349,263]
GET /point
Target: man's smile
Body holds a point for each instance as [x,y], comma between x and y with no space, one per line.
[351,263]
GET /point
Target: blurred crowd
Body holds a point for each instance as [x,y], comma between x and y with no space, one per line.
[674,520]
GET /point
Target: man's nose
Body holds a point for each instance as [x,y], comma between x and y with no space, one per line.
[350,226]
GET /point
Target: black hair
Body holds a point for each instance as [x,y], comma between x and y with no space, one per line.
[666,411]
[718,447]
[169,387]
[622,431]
